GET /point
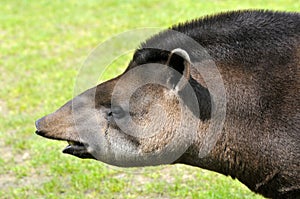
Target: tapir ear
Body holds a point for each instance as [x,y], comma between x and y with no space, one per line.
[179,60]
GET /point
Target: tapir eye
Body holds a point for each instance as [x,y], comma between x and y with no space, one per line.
[117,112]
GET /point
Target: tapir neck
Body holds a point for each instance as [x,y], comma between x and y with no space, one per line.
[226,158]
[240,153]
[238,150]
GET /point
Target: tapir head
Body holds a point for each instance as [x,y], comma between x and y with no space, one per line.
[146,116]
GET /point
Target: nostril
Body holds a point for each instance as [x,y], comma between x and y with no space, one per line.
[38,127]
[37,124]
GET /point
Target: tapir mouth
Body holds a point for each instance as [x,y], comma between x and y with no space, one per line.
[74,147]
[78,149]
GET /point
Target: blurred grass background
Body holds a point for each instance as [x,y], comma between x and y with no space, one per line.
[42,47]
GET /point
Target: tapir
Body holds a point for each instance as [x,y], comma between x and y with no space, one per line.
[220,93]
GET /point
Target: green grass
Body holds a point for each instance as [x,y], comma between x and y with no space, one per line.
[42,47]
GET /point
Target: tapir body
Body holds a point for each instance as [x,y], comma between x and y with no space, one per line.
[255,54]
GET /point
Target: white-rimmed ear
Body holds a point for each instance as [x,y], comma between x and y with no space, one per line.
[180,60]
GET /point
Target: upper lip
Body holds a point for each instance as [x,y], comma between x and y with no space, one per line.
[75,147]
